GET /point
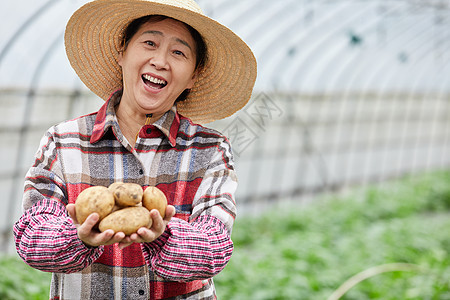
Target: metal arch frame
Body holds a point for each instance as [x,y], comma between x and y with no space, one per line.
[25,126]
[27,23]
[30,96]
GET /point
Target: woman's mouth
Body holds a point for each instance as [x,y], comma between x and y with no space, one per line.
[153,82]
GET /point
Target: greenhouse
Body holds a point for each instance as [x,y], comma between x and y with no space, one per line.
[350,95]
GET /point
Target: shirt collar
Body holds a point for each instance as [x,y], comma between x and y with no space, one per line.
[106,118]
[169,125]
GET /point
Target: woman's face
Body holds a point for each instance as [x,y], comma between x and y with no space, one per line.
[157,66]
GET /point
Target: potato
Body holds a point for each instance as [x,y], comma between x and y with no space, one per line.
[117,207]
[154,198]
[127,220]
[126,194]
[94,199]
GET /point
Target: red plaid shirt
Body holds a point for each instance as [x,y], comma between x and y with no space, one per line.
[191,164]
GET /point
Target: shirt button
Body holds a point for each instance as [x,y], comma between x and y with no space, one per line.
[141,292]
[148,130]
[141,172]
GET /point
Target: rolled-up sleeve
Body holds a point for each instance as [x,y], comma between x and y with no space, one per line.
[45,236]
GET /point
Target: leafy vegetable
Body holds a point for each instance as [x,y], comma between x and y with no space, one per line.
[309,251]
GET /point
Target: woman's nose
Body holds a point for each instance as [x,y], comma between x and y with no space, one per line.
[159,59]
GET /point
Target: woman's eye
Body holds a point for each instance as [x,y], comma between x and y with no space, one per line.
[150,43]
[178,52]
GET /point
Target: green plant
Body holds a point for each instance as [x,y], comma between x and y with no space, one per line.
[308,252]
[18,281]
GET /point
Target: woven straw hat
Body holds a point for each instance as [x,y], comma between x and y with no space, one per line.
[92,40]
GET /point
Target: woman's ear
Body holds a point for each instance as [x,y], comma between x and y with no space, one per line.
[120,58]
[193,79]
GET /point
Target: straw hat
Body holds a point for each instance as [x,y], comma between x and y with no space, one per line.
[92,41]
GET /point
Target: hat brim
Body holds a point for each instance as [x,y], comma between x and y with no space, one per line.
[223,87]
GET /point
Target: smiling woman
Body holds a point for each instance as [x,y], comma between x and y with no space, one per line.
[158,65]
[162,67]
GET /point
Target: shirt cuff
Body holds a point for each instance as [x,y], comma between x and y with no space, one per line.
[155,246]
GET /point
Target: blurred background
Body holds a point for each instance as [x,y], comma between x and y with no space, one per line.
[350,94]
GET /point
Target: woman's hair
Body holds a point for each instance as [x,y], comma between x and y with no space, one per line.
[200,45]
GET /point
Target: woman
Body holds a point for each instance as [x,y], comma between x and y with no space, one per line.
[162,68]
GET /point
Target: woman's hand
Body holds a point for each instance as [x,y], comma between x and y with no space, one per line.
[147,235]
[89,235]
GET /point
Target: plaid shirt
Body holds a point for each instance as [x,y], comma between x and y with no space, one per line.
[191,164]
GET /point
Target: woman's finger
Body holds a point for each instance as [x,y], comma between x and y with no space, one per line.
[72,212]
[85,229]
[170,212]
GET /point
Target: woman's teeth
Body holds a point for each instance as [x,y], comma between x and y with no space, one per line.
[154,80]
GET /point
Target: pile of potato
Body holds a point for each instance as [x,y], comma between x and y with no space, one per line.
[121,206]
